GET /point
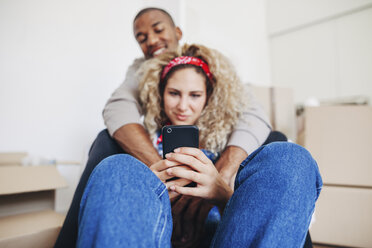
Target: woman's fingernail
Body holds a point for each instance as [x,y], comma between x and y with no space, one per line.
[177,150]
[173,188]
[167,155]
[169,171]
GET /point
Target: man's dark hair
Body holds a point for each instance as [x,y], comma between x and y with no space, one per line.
[143,11]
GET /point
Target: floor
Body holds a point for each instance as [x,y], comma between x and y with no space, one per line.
[326,246]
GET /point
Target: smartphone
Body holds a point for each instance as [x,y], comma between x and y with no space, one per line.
[179,136]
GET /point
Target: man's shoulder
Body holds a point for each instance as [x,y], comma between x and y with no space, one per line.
[131,78]
[137,62]
[134,67]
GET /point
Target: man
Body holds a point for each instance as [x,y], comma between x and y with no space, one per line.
[156,33]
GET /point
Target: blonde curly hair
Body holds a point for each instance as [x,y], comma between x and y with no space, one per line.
[224,105]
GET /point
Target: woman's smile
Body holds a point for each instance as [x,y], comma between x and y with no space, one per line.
[181,117]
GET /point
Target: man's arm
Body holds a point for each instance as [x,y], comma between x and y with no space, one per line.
[123,107]
[122,117]
[252,130]
[134,139]
[253,126]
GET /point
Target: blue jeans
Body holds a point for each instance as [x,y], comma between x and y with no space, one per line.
[126,205]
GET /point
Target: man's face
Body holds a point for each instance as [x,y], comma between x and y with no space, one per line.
[155,33]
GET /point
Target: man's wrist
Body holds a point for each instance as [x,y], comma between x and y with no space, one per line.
[229,163]
[134,140]
[230,160]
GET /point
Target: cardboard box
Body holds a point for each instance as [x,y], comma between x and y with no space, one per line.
[343,217]
[340,139]
[279,105]
[27,199]
[35,229]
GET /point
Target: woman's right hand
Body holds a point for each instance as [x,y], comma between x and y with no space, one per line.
[209,183]
[160,170]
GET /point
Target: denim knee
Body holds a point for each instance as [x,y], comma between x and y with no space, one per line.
[283,161]
[117,161]
[120,165]
[126,169]
[290,158]
[124,203]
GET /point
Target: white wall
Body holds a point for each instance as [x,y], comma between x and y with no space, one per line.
[237,28]
[321,48]
[61,60]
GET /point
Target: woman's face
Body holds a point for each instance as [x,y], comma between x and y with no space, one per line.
[185,95]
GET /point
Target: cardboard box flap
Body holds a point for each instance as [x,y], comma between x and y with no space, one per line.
[42,239]
[12,158]
[30,223]
[19,179]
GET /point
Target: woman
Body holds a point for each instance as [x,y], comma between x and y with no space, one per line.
[223,94]
[126,203]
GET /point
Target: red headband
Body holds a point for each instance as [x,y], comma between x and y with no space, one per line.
[187,60]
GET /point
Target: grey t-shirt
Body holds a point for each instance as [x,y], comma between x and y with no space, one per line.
[123,108]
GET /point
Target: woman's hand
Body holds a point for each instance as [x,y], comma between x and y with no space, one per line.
[160,170]
[210,184]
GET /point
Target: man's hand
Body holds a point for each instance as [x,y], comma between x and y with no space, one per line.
[135,140]
[229,163]
[189,215]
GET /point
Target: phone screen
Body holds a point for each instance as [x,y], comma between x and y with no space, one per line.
[179,136]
